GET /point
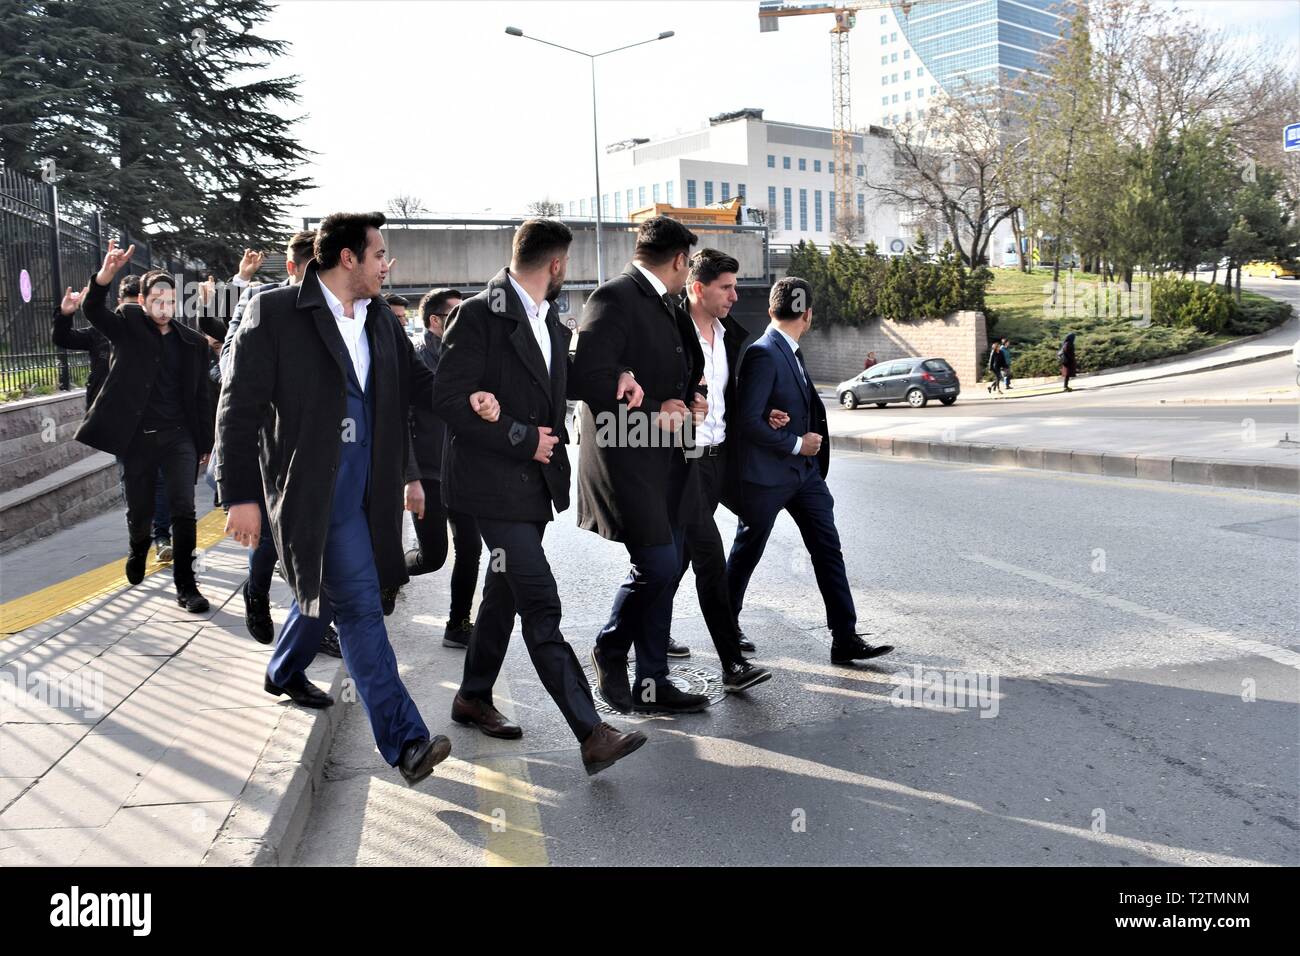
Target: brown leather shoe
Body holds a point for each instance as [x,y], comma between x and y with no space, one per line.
[605,746]
[485,717]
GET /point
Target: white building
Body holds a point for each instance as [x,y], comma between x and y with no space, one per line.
[782,169]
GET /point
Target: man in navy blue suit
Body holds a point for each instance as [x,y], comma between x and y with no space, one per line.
[786,468]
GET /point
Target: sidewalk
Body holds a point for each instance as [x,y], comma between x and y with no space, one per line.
[129,728]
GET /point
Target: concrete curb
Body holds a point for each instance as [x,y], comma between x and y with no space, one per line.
[1254,475]
[266,823]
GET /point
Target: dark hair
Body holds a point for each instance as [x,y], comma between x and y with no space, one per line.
[394,299]
[301,247]
[708,264]
[434,301]
[539,240]
[344,230]
[128,288]
[661,239]
[153,278]
[787,297]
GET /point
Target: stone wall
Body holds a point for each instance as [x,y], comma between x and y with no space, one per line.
[836,353]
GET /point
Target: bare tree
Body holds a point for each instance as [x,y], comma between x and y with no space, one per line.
[403,206]
[545,208]
[957,167]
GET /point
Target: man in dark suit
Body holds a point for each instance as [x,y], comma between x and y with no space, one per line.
[313,414]
[509,473]
[786,468]
[710,294]
[428,436]
[154,412]
[634,485]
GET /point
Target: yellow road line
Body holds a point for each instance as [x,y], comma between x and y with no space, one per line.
[31,609]
[508,806]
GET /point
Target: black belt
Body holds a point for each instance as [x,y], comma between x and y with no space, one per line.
[712,451]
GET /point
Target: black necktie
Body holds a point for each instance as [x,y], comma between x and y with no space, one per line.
[807,379]
[670,301]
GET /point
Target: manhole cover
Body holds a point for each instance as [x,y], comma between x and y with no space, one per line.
[688,678]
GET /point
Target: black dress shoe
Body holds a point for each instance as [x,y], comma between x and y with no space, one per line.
[457,633]
[135,562]
[607,745]
[301,691]
[667,699]
[848,651]
[611,679]
[329,644]
[746,645]
[419,757]
[678,650]
[481,714]
[192,601]
[388,600]
[738,677]
[257,617]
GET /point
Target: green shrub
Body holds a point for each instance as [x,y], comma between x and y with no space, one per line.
[1185,303]
[1103,343]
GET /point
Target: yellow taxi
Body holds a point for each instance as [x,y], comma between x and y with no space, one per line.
[1274,270]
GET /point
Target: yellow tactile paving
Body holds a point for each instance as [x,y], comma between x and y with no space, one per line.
[31,609]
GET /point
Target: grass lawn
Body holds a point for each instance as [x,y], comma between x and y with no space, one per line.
[1021,301]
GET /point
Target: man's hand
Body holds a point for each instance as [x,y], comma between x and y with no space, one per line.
[213,344]
[414,498]
[72,300]
[777,419]
[244,523]
[812,444]
[546,443]
[628,386]
[114,260]
[485,405]
[672,414]
[249,264]
[699,408]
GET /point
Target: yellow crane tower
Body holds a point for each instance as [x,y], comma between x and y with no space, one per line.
[769,14]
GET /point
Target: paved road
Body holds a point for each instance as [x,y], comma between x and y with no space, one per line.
[1143,637]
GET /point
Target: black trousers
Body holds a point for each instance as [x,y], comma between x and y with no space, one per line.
[431,532]
[519,581]
[171,450]
[705,553]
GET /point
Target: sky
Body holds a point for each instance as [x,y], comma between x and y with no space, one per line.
[432,98]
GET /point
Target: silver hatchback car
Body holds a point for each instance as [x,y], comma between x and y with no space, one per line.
[913,380]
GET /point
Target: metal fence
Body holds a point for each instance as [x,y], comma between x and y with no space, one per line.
[44,248]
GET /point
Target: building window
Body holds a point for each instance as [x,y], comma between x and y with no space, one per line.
[690,193]
[862,171]
[907,74]
[593,206]
[894,98]
[668,190]
[640,197]
[862,208]
[726,191]
[708,191]
[604,205]
[893,37]
[817,165]
[654,193]
[771,202]
[740,190]
[830,167]
[907,95]
[618,205]
[629,202]
[884,101]
[908,116]
[883,39]
[882,19]
[920,94]
[893,58]
[789,209]
[884,59]
[817,210]
[803,210]
[803,165]
[785,162]
[832,210]
[771,161]
[920,114]
[920,72]
[582,207]
[893,77]
[932,89]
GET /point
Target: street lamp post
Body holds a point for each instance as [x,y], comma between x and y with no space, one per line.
[595,136]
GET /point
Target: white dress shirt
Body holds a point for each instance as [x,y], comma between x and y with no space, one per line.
[713,430]
[794,347]
[353,331]
[655,281]
[536,320]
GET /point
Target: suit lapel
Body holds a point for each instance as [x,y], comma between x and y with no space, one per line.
[521,336]
[310,297]
[783,347]
[644,285]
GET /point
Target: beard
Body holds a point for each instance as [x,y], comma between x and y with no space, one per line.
[553,289]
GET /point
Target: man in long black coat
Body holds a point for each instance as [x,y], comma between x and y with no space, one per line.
[313,413]
[634,485]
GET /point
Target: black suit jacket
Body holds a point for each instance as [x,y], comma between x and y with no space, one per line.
[112,421]
[428,430]
[85,340]
[487,467]
[282,407]
[623,490]
[733,341]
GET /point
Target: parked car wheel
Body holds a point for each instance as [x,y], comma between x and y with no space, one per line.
[848,400]
[916,398]
[1273,274]
[949,400]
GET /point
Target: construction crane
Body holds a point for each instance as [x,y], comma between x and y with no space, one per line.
[769,14]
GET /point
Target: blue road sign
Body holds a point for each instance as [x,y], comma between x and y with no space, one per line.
[1291,137]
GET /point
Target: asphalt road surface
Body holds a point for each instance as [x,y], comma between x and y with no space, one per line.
[1088,671]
